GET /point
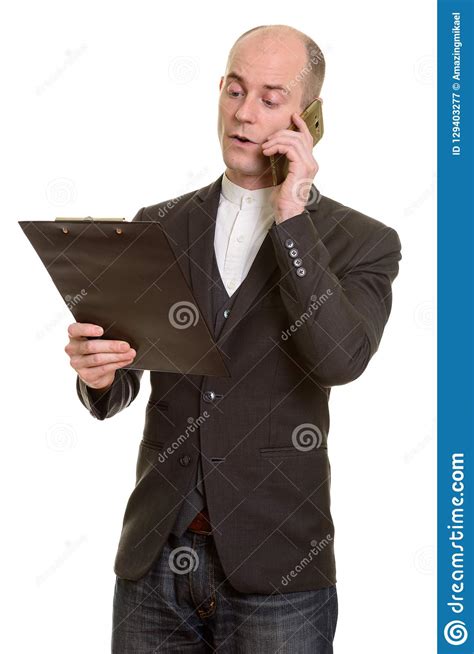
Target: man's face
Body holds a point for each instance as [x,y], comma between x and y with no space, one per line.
[250,108]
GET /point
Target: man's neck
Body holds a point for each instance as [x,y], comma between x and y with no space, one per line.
[249,182]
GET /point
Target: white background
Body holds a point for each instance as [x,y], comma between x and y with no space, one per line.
[110,106]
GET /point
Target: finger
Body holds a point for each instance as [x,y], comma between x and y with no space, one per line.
[83,329]
[301,131]
[99,372]
[302,126]
[295,150]
[308,166]
[290,137]
[100,359]
[281,133]
[77,346]
[96,345]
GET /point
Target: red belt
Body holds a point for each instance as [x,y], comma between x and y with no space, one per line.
[201,523]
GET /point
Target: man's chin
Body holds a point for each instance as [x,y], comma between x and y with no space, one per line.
[244,166]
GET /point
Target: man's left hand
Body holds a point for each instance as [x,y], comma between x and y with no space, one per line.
[292,196]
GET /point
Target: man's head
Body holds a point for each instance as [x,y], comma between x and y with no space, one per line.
[272,71]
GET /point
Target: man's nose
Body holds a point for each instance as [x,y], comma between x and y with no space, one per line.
[246,111]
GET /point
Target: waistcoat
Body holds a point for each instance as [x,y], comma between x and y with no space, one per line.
[221,306]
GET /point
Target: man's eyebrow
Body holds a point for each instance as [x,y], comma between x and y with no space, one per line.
[271,87]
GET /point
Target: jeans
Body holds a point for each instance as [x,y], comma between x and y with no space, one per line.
[185,604]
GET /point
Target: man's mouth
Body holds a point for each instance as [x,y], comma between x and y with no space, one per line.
[242,139]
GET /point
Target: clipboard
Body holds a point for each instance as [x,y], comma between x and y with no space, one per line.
[124,276]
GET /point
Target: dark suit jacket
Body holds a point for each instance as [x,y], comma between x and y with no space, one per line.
[263,432]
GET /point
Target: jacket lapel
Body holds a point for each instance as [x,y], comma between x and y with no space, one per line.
[201,230]
[191,236]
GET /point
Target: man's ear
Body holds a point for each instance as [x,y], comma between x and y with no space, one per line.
[220,83]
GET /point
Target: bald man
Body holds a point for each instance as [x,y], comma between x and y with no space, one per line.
[228,542]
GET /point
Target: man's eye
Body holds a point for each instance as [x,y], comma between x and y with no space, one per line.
[233,94]
[269,103]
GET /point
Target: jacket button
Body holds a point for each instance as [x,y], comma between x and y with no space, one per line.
[293,253]
[185,460]
[226,313]
[208,396]
[297,262]
[289,243]
[301,272]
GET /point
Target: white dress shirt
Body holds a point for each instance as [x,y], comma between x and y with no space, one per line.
[243,220]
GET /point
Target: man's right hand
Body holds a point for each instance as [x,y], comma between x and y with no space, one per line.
[96,360]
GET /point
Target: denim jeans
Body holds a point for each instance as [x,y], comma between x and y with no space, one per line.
[185,604]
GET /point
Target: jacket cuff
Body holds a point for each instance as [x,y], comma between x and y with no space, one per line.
[292,239]
[99,405]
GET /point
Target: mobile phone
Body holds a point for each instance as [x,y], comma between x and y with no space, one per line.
[313,117]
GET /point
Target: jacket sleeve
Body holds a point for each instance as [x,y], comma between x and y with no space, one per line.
[336,323]
[123,391]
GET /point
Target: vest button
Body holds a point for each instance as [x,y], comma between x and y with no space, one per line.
[208,396]
[226,313]
[289,243]
[185,460]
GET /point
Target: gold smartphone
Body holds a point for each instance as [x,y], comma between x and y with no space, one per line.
[313,117]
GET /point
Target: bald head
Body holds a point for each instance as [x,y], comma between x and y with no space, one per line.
[307,58]
[272,72]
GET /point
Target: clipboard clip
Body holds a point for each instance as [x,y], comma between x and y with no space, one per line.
[89,219]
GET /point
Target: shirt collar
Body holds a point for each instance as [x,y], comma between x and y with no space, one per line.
[245,198]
